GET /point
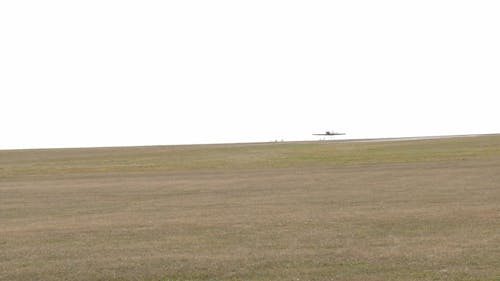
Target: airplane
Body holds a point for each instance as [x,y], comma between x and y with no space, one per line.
[329,133]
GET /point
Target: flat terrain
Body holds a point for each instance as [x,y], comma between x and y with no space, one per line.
[392,210]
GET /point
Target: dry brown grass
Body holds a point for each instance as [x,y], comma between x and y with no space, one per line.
[417,210]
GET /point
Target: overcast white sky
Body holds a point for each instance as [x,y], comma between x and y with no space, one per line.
[113,73]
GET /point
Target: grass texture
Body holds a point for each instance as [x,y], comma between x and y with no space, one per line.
[390,210]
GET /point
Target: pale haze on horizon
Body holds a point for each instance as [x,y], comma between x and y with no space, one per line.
[120,73]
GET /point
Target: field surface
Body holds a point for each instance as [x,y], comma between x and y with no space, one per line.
[392,210]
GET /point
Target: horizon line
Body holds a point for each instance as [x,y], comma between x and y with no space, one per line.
[408,138]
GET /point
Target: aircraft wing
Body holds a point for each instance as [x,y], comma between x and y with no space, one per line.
[329,134]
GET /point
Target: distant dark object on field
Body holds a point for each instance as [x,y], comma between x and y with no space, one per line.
[329,133]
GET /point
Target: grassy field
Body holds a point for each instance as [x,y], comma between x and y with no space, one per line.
[402,210]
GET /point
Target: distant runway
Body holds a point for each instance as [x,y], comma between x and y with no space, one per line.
[409,138]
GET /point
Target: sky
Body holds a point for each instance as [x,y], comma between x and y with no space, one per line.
[121,73]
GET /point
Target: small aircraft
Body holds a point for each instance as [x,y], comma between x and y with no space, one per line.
[329,133]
